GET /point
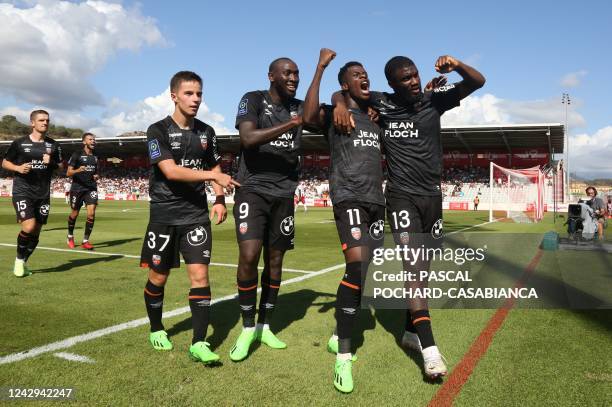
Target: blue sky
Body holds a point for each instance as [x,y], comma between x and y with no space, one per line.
[106,65]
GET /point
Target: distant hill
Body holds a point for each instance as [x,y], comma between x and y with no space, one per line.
[11,128]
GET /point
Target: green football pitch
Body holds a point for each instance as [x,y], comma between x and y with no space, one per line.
[79,322]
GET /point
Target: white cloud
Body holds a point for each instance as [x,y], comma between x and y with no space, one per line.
[122,117]
[48,51]
[590,154]
[573,79]
[489,109]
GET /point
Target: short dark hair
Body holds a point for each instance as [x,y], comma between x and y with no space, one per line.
[395,63]
[276,61]
[345,68]
[87,134]
[183,76]
[36,113]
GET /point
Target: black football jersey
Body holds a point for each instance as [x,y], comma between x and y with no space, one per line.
[173,202]
[83,181]
[411,138]
[271,168]
[356,161]
[35,184]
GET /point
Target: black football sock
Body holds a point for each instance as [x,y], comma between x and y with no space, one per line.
[247,298]
[422,323]
[409,325]
[269,294]
[348,298]
[154,301]
[89,224]
[71,223]
[199,302]
[31,246]
[23,241]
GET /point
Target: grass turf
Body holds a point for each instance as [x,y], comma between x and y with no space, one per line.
[538,357]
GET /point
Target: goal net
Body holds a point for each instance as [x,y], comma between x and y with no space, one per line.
[516,194]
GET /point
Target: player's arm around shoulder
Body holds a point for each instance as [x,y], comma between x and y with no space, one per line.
[251,136]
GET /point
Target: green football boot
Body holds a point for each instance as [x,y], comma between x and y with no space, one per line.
[160,341]
[241,349]
[343,376]
[332,344]
[20,269]
[200,352]
[266,336]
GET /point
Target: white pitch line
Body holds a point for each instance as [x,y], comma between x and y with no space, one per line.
[69,342]
[131,256]
[471,227]
[73,357]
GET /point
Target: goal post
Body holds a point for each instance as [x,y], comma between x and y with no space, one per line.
[516,194]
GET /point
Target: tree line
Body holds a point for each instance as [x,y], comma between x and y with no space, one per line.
[10,127]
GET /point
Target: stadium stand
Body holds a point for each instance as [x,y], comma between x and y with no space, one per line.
[467,153]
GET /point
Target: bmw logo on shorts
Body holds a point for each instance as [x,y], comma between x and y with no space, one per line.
[286,226]
[44,210]
[377,229]
[197,236]
[438,229]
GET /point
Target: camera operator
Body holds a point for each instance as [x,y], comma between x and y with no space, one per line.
[599,209]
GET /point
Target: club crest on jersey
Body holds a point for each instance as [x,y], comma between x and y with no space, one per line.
[438,229]
[293,111]
[356,233]
[156,258]
[204,141]
[377,229]
[286,226]
[404,237]
[197,236]
[44,210]
[243,227]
